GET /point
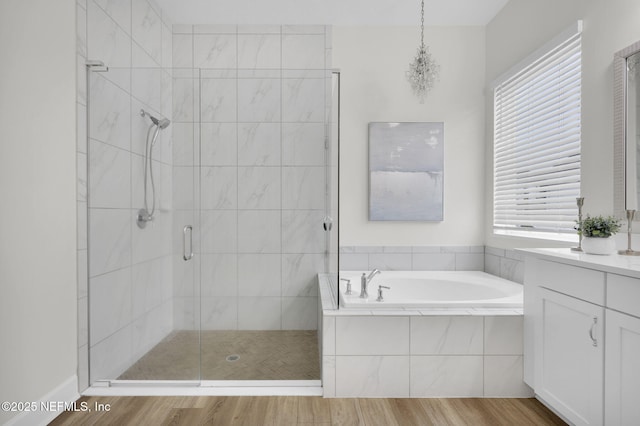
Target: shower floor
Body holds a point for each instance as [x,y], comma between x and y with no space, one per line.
[261,355]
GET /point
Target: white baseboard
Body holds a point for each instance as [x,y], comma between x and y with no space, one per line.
[46,408]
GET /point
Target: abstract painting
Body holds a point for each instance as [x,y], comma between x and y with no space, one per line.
[406,170]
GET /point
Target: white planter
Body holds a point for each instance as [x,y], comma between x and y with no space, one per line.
[602,246]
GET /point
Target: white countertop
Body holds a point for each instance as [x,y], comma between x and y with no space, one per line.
[615,263]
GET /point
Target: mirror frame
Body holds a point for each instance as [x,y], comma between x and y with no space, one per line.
[620,128]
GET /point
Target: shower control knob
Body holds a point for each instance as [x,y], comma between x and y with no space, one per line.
[327,223]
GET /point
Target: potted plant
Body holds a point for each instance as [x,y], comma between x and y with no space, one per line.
[596,234]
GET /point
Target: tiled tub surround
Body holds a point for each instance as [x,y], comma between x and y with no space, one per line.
[420,353]
[504,263]
[128,291]
[250,108]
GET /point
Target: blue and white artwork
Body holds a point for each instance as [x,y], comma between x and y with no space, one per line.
[406,168]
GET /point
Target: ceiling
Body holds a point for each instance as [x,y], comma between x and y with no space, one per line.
[331,12]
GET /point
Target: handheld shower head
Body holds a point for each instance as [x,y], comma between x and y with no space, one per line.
[146,215]
[162,123]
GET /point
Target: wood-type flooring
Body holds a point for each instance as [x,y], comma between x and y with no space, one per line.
[307,410]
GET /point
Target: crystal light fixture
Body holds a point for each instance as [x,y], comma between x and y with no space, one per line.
[423,71]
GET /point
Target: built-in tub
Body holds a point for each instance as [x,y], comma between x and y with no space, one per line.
[432,289]
[466,341]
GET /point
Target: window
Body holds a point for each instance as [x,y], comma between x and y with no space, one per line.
[537,142]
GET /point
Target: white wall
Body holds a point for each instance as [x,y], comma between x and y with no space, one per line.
[523,26]
[37,189]
[373,62]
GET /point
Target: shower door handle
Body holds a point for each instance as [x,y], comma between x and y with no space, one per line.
[187,255]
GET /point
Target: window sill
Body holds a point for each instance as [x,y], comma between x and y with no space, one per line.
[547,236]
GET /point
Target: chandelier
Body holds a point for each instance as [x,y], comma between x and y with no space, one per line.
[423,71]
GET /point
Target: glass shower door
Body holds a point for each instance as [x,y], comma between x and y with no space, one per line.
[143,301]
[264,199]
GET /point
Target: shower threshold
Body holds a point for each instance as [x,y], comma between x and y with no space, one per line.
[205,388]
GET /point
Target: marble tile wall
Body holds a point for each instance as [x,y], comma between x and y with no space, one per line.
[417,258]
[504,263]
[250,110]
[126,271]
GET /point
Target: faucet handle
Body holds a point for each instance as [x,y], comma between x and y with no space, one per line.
[380,287]
[348,292]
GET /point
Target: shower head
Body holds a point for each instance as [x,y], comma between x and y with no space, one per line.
[162,123]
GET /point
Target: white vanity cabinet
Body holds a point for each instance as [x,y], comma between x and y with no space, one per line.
[622,384]
[622,352]
[570,357]
[568,344]
[582,335]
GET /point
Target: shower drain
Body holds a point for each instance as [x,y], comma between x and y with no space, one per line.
[233,358]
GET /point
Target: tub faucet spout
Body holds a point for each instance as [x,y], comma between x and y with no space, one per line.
[364,282]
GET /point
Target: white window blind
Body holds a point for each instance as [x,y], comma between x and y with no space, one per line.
[537,142]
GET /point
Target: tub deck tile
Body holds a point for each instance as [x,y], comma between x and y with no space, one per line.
[497,311]
[446,312]
[396,312]
[350,312]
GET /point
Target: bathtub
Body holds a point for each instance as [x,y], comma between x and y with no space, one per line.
[446,346]
[432,289]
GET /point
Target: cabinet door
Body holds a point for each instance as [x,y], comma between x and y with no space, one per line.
[622,384]
[569,357]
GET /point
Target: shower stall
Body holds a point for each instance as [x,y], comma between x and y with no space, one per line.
[211,203]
